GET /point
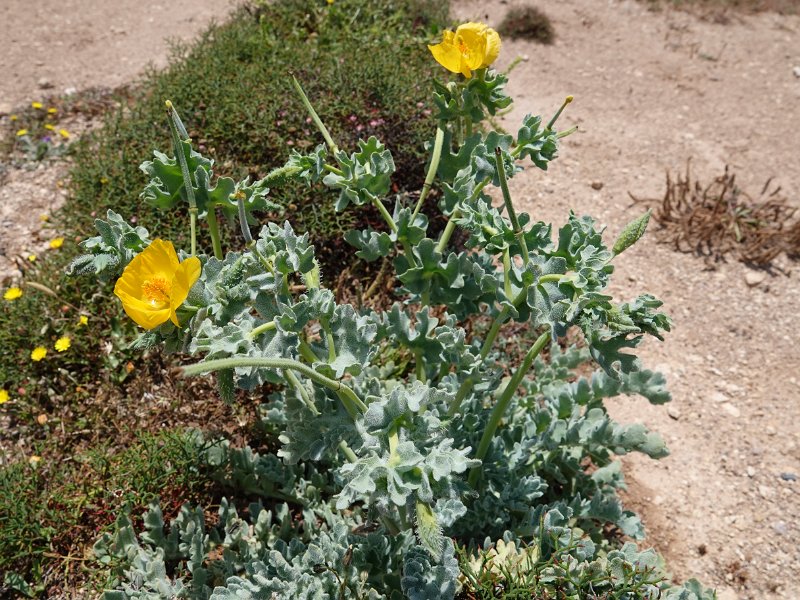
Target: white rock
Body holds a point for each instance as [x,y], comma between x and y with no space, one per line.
[719,397]
[796,71]
[731,410]
[674,413]
[764,491]
[753,278]
[44,83]
[751,472]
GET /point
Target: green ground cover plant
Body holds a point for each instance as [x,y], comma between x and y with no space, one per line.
[403,454]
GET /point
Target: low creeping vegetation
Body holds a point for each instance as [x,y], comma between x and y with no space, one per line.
[410,456]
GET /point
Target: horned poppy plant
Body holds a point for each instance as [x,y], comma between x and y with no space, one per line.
[155,284]
[471,46]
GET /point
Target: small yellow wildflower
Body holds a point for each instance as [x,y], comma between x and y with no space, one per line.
[36,105]
[83,320]
[32,257]
[41,419]
[52,110]
[56,243]
[63,343]
[34,461]
[38,353]
[49,126]
[12,293]
[13,117]
[64,133]
[44,217]
[155,284]
[21,132]
[330,2]
[104,180]
[471,46]
[3,396]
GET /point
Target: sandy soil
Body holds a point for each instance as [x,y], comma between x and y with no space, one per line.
[652,90]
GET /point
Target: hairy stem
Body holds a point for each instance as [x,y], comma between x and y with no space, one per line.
[282,364]
[512,214]
[314,116]
[179,134]
[213,230]
[503,402]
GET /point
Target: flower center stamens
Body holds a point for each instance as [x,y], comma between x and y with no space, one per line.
[156,291]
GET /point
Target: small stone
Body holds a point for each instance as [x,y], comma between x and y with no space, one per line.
[597,185]
[780,527]
[764,491]
[751,472]
[44,83]
[719,397]
[788,476]
[70,91]
[673,413]
[796,71]
[753,278]
[731,410]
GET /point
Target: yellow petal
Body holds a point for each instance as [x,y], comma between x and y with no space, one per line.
[187,274]
[473,44]
[492,47]
[447,55]
[141,312]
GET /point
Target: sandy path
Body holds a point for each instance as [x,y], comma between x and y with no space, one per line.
[653,89]
[83,43]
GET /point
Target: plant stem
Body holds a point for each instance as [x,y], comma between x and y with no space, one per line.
[314,116]
[292,379]
[503,402]
[348,452]
[268,326]
[552,121]
[419,366]
[384,213]
[512,214]
[213,230]
[248,239]
[277,363]
[432,168]
[177,130]
[451,226]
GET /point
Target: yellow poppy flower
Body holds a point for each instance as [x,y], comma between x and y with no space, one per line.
[471,46]
[38,353]
[63,344]
[12,293]
[155,284]
[3,396]
[56,243]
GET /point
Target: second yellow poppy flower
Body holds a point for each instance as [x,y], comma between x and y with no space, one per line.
[471,46]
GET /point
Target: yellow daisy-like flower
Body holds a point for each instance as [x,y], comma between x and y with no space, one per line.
[63,343]
[83,320]
[32,257]
[471,46]
[36,105]
[3,396]
[13,117]
[34,461]
[64,133]
[155,284]
[12,293]
[38,353]
[44,217]
[52,110]
[22,132]
[49,126]
[56,243]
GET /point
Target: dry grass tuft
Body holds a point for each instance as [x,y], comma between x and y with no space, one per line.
[720,219]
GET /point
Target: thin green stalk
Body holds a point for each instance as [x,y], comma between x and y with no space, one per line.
[213,230]
[307,352]
[451,226]
[384,213]
[419,366]
[552,121]
[177,130]
[248,238]
[507,272]
[304,395]
[314,116]
[264,327]
[276,363]
[503,402]
[347,451]
[432,168]
[512,214]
